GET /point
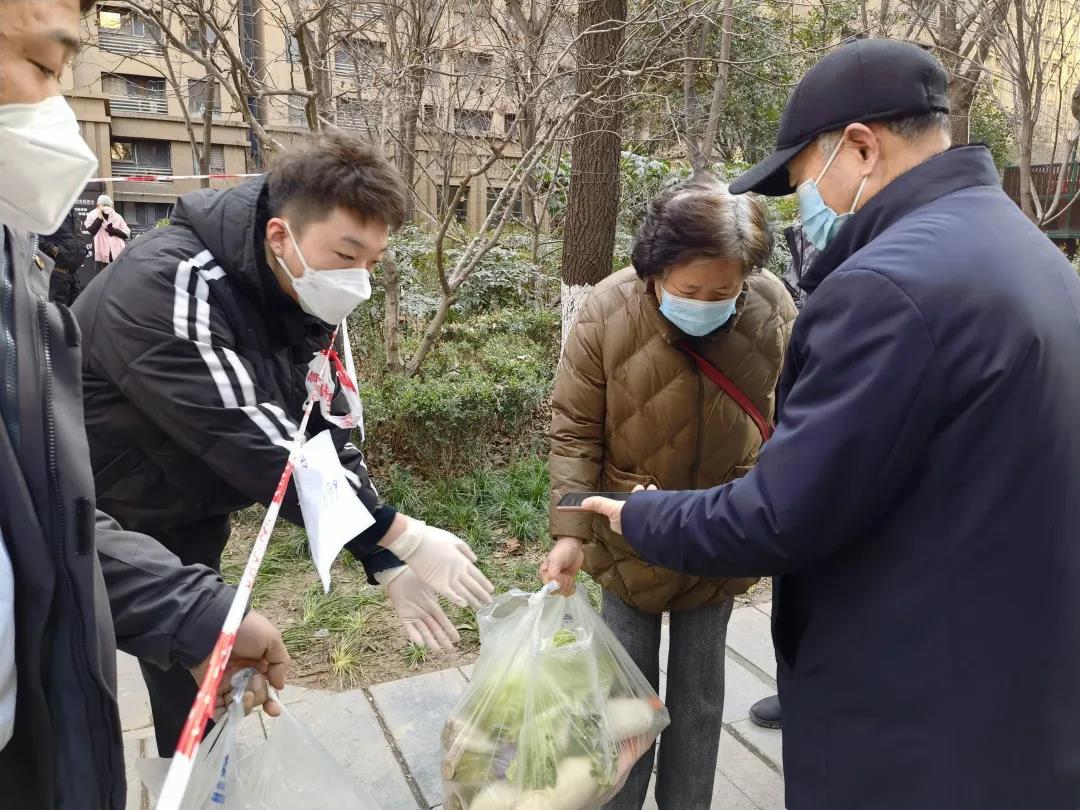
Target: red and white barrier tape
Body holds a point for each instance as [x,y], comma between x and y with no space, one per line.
[183,761]
[161,178]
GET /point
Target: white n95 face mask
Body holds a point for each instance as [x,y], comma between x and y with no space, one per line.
[44,163]
[329,295]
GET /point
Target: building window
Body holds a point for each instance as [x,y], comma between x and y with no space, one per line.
[142,217]
[200,37]
[461,210]
[368,13]
[134,94]
[510,125]
[217,159]
[123,31]
[475,64]
[198,97]
[297,108]
[472,122]
[359,59]
[293,54]
[517,210]
[357,115]
[432,68]
[134,158]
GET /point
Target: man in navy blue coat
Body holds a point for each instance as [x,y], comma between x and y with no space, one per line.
[919,503]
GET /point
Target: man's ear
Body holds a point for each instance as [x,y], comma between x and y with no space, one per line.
[276,236]
[866,143]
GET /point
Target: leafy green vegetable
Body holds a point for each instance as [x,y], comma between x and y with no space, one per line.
[535,723]
[563,638]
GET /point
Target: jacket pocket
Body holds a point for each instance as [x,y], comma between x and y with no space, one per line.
[616,480]
[117,470]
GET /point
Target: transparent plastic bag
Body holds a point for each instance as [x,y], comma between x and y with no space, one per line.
[291,770]
[556,713]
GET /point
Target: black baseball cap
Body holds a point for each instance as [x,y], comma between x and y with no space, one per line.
[863,81]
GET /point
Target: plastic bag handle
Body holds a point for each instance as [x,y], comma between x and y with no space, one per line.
[547,590]
[239,682]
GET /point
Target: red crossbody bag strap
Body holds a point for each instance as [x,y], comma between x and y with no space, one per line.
[729,388]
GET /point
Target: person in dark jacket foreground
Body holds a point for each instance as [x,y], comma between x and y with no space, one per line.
[766,712]
[67,248]
[73,585]
[197,344]
[919,502]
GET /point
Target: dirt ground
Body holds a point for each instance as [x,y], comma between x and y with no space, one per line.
[351,637]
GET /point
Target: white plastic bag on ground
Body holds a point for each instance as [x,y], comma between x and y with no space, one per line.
[556,713]
[291,770]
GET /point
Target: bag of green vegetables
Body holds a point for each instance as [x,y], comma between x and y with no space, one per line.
[556,713]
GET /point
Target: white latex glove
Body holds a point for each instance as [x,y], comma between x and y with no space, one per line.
[418,609]
[444,562]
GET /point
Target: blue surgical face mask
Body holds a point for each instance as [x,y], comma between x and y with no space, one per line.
[820,223]
[696,318]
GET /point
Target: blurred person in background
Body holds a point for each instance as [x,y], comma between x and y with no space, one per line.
[109,231]
[67,248]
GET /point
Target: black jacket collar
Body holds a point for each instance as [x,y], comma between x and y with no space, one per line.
[958,168]
[231,224]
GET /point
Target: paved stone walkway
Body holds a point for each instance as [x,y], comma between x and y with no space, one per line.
[387,736]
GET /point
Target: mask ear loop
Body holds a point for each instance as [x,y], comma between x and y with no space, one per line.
[299,254]
[858,194]
[829,162]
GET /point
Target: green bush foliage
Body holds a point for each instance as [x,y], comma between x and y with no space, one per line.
[483,388]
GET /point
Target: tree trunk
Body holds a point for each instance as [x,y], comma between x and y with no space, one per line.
[593,199]
[208,131]
[719,93]
[406,160]
[961,97]
[1027,116]
[1027,200]
[391,280]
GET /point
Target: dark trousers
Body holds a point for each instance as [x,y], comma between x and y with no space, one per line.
[64,286]
[686,765]
[173,690]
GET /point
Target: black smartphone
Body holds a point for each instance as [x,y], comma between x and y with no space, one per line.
[571,501]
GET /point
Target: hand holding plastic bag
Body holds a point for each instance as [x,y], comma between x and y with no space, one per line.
[290,770]
[556,713]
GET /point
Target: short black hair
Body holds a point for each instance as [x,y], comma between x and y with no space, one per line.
[328,170]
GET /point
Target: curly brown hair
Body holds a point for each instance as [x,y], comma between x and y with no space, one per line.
[329,170]
[701,219]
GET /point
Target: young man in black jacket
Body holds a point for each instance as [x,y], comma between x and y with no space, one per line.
[197,344]
[73,585]
[67,248]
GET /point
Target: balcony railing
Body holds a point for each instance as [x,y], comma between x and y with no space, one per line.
[115,42]
[137,170]
[143,106]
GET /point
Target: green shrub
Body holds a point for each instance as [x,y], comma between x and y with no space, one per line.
[483,386]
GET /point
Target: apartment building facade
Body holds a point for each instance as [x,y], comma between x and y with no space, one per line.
[142,101]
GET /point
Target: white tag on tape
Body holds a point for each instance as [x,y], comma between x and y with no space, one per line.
[333,514]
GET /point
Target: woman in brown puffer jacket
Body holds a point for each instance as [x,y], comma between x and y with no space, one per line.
[632,407]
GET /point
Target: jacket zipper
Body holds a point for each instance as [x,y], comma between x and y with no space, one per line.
[7,333]
[695,469]
[57,527]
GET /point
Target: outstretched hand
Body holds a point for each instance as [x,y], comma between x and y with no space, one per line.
[258,645]
[610,509]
